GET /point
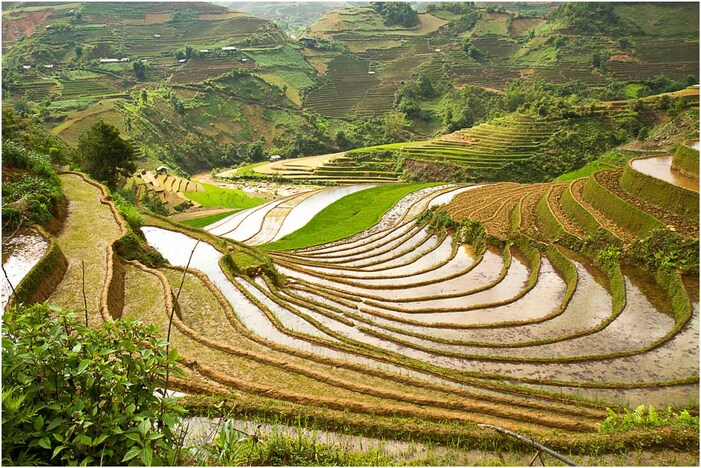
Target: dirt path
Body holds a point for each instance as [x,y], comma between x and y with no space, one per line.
[88,231]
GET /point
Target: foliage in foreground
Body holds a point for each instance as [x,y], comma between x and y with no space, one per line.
[232,447]
[647,418]
[79,395]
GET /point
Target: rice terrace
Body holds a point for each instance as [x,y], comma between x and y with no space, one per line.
[350,233]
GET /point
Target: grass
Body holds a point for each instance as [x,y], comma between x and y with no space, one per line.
[214,196]
[88,230]
[200,223]
[631,90]
[585,171]
[345,217]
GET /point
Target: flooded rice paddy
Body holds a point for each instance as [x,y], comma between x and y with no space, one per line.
[661,168]
[398,294]
[20,253]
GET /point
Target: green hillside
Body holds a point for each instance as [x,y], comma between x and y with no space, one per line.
[352,79]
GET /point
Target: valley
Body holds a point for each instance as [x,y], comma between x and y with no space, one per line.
[380,221]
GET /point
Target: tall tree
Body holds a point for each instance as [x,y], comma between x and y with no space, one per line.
[104,155]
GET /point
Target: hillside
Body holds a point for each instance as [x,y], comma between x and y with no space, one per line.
[401,229]
[351,81]
[529,145]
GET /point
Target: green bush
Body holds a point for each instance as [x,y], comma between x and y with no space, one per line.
[79,395]
[647,418]
[128,211]
[31,199]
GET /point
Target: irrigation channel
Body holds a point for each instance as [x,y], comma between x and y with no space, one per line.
[403,299]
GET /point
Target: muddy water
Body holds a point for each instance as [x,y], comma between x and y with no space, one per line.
[369,242]
[457,264]
[287,318]
[364,251]
[176,248]
[409,252]
[305,211]
[639,325]
[486,273]
[448,197]
[19,255]
[677,358]
[388,251]
[661,168]
[276,217]
[658,397]
[488,270]
[230,223]
[252,224]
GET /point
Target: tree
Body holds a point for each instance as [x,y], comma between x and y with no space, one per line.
[22,108]
[396,13]
[596,59]
[395,125]
[78,51]
[139,70]
[104,155]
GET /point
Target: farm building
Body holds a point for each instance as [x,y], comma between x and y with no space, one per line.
[182,60]
[26,67]
[229,48]
[275,157]
[156,36]
[125,59]
[204,51]
[49,66]
[109,60]
[161,170]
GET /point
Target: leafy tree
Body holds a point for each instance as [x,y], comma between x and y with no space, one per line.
[588,18]
[395,126]
[74,394]
[106,156]
[596,59]
[139,70]
[78,51]
[394,13]
[22,108]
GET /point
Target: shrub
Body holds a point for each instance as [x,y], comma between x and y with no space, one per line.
[647,418]
[128,211]
[79,395]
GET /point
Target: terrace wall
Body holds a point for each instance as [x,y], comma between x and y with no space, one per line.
[41,280]
[686,161]
[659,192]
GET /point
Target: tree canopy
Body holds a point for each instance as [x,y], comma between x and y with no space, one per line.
[396,13]
[104,155]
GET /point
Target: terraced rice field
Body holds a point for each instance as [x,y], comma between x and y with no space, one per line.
[349,82]
[405,326]
[406,321]
[169,189]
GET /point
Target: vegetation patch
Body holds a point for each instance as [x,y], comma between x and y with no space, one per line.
[200,223]
[218,197]
[345,217]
